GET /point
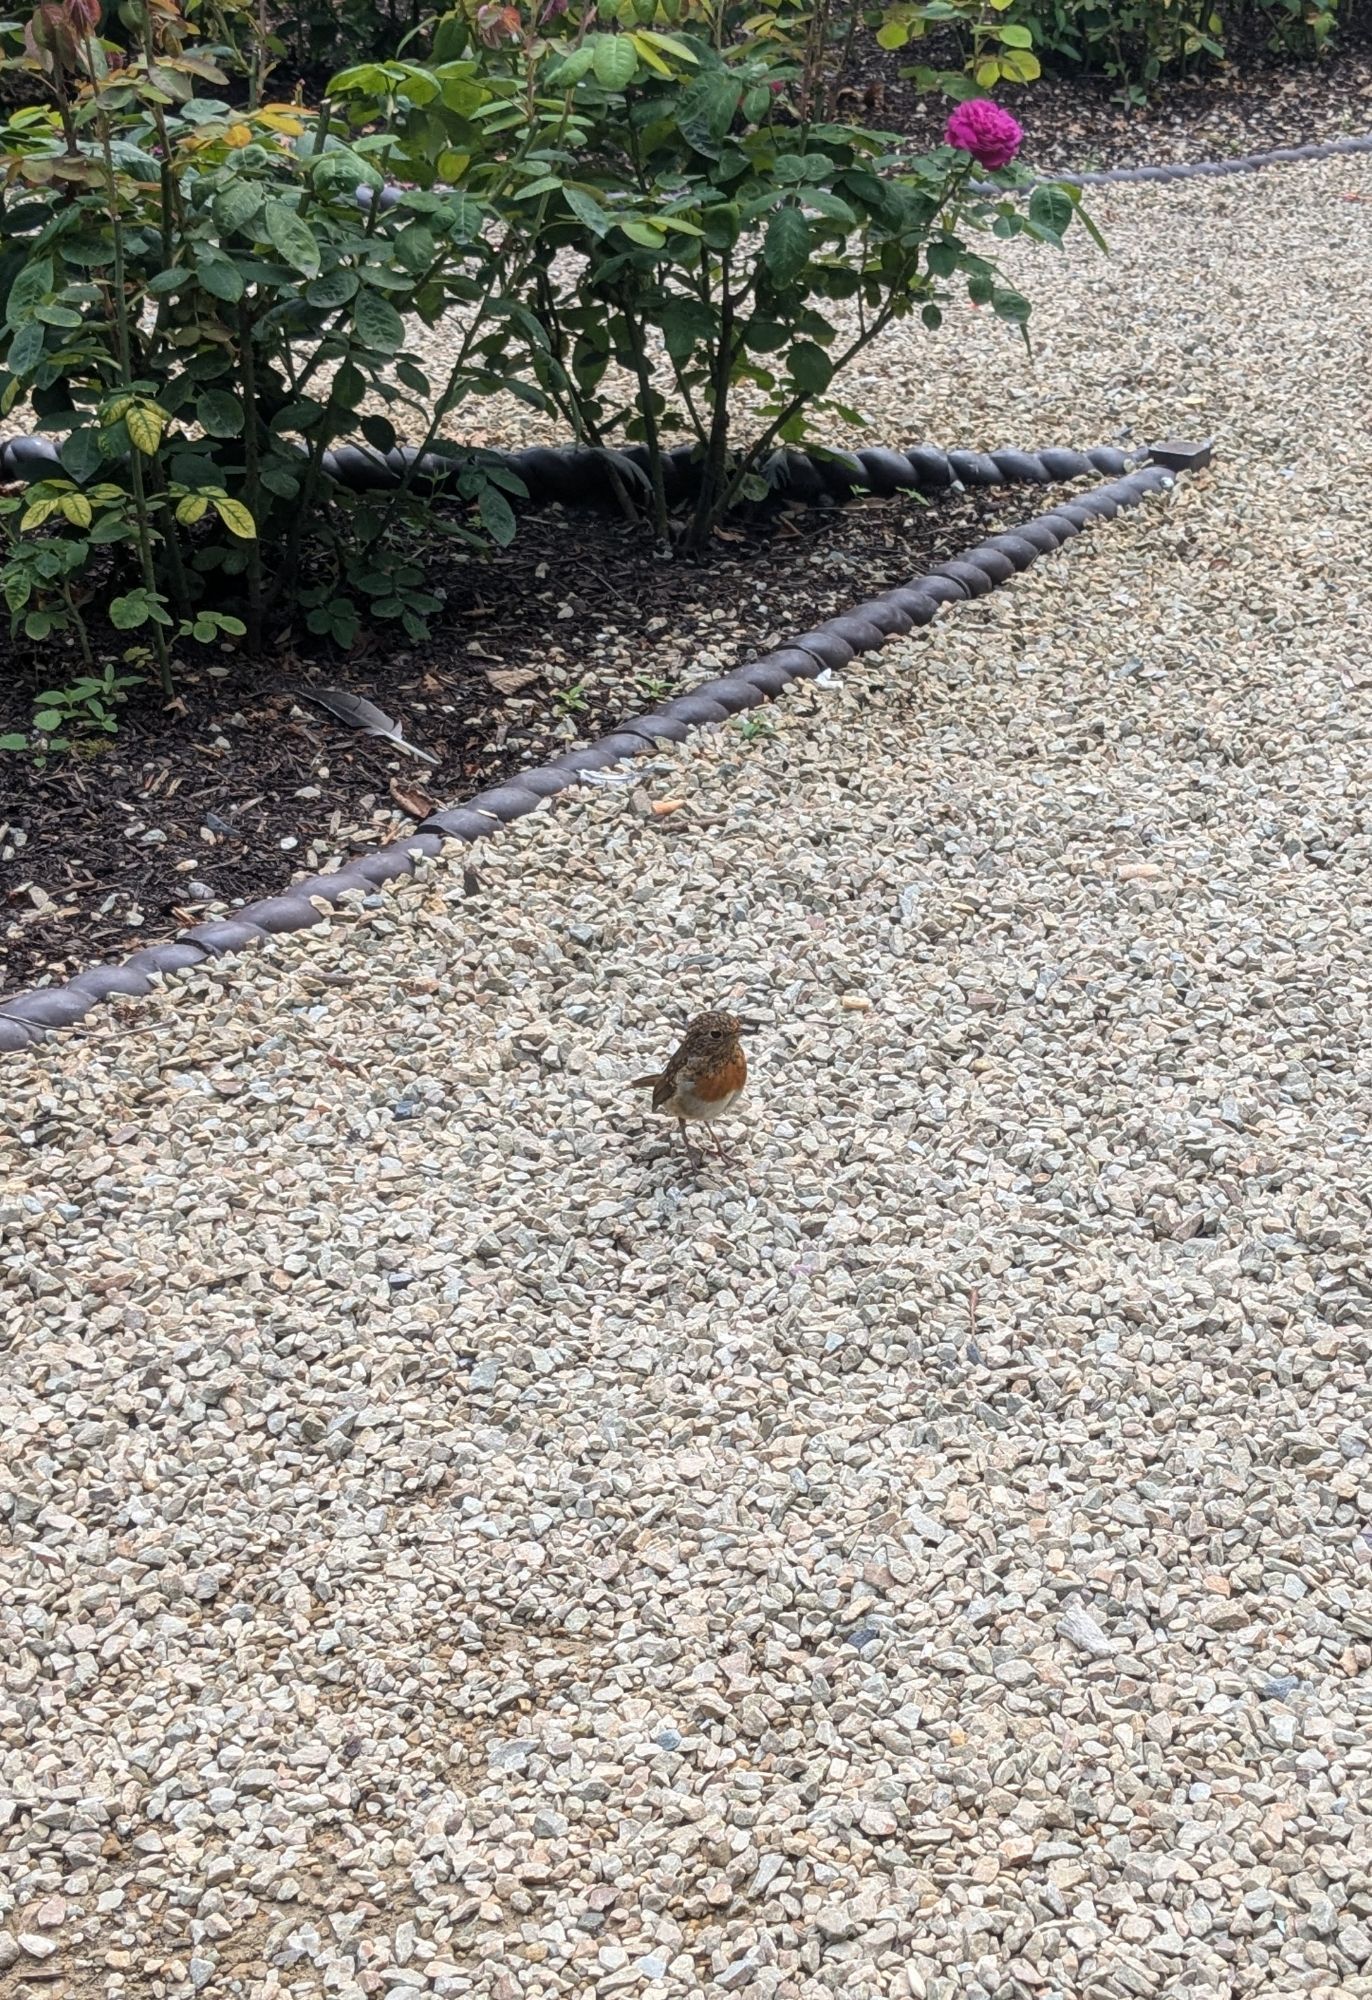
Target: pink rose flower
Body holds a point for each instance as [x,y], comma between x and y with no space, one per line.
[982,129]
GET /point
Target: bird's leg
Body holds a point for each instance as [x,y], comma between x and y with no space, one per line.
[692,1155]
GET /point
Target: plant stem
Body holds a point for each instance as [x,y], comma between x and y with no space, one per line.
[159,637]
[78,625]
[180,581]
[652,435]
[708,499]
[121,319]
[252,474]
[565,393]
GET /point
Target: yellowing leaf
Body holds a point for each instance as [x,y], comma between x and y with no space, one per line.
[285,122]
[36,513]
[236,519]
[666,43]
[191,509]
[239,135]
[144,424]
[987,72]
[648,54]
[77,509]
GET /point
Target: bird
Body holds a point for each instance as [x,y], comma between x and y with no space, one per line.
[705,1075]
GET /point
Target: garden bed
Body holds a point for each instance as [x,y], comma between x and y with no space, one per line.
[1076,124]
[241,780]
[243,783]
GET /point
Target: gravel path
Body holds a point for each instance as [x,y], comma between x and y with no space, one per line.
[459,1551]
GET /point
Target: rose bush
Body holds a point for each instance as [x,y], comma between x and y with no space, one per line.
[696,226]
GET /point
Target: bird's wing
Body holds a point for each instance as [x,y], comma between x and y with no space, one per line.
[666,1083]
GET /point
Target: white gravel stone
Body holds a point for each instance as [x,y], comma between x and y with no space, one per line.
[683,1572]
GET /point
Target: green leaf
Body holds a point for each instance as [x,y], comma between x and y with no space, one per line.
[415,249]
[47,719]
[283,484]
[464,218]
[893,34]
[831,207]
[236,207]
[349,386]
[128,613]
[587,209]
[26,349]
[1050,210]
[81,454]
[302,415]
[764,336]
[786,249]
[379,433]
[497,516]
[378,323]
[1011,306]
[168,281]
[683,325]
[572,69]
[219,414]
[293,238]
[29,290]
[705,111]
[332,288]
[942,258]
[220,278]
[1015,37]
[810,367]
[615,61]
[649,234]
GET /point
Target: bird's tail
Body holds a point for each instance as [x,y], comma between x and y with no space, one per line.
[644,1082]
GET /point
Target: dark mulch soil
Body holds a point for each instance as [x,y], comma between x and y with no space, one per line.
[241,786]
[1078,124]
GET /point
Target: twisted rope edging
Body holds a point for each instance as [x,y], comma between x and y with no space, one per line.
[1181,170]
[28,1017]
[1238,163]
[575,476]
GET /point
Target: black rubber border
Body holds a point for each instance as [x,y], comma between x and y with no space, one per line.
[1237,163]
[27,1018]
[574,476]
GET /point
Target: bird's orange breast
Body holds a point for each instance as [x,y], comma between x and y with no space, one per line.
[723,1079]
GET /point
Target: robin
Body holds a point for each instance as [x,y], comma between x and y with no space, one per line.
[705,1076]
